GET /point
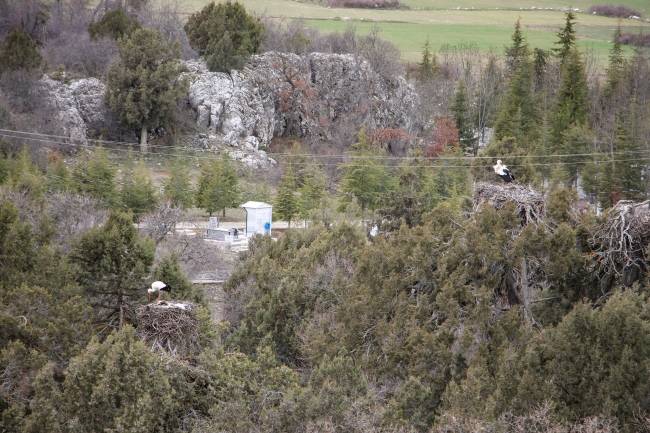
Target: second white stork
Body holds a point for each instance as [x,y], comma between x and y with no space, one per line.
[158,286]
[503,172]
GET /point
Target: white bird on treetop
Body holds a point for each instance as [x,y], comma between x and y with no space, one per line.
[504,173]
[158,286]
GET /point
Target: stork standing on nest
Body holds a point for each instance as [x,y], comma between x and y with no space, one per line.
[504,173]
[158,286]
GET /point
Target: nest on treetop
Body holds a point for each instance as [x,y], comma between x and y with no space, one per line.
[619,243]
[169,326]
[530,206]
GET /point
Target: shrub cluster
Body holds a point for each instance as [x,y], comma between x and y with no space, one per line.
[635,39]
[619,11]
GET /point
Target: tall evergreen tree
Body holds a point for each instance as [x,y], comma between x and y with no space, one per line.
[571,107]
[311,190]
[58,177]
[428,66]
[178,188]
[628,167]
[518,51]
[460,110]
[540,64]
[138,194]
[94,175]
[366,177]
[567,38]
[617,62]
[519,114]
[217,187]
[113,263]
[287,203]
[143,88]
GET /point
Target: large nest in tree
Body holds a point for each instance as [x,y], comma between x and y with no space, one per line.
[170,326]
[620,241]
[530,206]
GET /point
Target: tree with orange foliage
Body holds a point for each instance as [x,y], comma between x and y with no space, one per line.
[444,138]
[389,139]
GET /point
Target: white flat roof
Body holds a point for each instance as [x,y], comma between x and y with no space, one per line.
[255,205]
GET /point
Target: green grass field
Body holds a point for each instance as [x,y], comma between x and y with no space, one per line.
[488,24]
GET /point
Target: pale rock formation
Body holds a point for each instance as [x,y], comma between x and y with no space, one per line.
[76,108]
[311,96]
[314,96]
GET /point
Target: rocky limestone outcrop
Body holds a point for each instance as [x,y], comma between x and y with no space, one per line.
[77,109]
[315,96]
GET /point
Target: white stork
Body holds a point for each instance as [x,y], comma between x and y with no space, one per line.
[504,173]
[158,286]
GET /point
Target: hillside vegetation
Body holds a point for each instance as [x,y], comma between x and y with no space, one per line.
[412,291]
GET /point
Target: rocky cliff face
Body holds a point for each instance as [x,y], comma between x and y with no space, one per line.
[315,96]
[77,109]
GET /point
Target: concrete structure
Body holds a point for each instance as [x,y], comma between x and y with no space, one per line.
[258,217]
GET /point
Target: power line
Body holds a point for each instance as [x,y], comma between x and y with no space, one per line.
[605,157]
[48,138]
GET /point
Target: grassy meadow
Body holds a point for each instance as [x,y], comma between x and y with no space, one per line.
[487,24]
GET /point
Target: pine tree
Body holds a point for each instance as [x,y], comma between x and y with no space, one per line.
[138,194]
[366,177]
[58,177]
[114,24]
[573,145]
[225,34]
[570,114]
[178,188]
[287,202]
[26,177]
[225,57]
[113,263]
[4,168]
[627,168]
[518,51]
[617,63]
[143,88]
[427,67]
[114,385]
[93,175]
[217,187]
[18,52]
[567,38]
[311,191]
[540,63]
[460,110]
[519,115]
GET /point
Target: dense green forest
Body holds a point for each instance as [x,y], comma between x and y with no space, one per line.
[503,318]
[472,306]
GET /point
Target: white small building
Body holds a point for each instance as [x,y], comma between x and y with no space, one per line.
[258,217]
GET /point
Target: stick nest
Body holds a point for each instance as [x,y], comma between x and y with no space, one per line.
[620,241]
[169,326]
[530,206]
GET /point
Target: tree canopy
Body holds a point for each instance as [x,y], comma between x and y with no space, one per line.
[18,52]
[143,88]
[225,34]
[114,24]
